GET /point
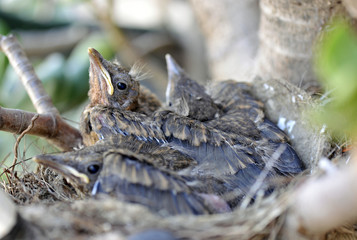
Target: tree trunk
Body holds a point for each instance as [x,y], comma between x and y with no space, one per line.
[288,30]
[287,33]
[231,32]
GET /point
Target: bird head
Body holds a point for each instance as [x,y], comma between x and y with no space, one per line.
[81,167]
[185,96]
[111,84]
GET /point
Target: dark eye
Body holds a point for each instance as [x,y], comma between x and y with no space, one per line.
[170,104]
[94,168]
[121,86]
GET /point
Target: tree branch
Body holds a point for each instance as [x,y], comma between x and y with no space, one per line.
[49,124]
[17,57]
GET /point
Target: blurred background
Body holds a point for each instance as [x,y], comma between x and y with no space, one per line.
[56,35]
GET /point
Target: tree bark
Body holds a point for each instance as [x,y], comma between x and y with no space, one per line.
[287,33]
[48,126]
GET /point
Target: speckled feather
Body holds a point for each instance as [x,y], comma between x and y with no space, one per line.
[138,172]
[237,113]
[209,147]
[133,181]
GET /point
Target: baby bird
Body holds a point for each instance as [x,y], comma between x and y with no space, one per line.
[115,111]
[233,110]
[144,176]
[113,85]
[225,156]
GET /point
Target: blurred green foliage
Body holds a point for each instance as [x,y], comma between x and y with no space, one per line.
[65,79]
[336,65]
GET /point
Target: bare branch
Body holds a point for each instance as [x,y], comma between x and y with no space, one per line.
[17,57]
[48,126]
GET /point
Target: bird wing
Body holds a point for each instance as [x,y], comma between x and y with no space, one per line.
[106,122]
[281,156]
[150,152]
[244,115]
[213,150]
[134,181]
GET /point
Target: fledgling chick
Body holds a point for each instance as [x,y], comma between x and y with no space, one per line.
[110,113]
[237,114]
[113,85]
[212,149]
[109,167]
[186,97]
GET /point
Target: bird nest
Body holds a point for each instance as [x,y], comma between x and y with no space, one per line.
[59,210]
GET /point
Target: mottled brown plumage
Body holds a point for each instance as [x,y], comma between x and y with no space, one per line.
[105,118]
[186,97]
[212,149]
[113,85]
[227,156]
[137,172]
[237,114]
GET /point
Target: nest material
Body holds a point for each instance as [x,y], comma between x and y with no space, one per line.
[43,187]
[59,211]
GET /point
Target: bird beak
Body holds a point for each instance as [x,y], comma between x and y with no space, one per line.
[96,60]
[175,72]
[66,170]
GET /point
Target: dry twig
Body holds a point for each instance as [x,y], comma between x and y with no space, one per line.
[19,139]
[49,123]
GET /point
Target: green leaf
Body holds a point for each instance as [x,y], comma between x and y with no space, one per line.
[336,65]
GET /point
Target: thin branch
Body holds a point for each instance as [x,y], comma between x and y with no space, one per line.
[17,57]
[19,139]
[47,125]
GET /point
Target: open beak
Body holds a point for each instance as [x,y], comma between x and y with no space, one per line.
[66,170]
[96,62]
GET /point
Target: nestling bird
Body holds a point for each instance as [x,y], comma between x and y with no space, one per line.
[114,111]
[231,109]
[113,85]
[212,149]
[229,157]
[142,176]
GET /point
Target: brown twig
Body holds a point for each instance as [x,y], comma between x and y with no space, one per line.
[19,139]
[17,57]
[49,123]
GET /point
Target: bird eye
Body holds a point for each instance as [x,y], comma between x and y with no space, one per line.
[170,104]
[121,86]
[93,168]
